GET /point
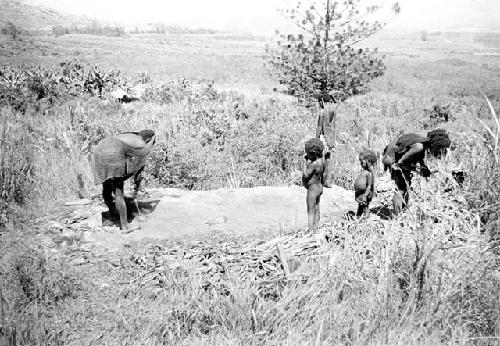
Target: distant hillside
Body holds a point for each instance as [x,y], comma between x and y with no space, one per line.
[32,17]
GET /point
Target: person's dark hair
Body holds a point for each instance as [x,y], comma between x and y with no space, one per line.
[388,157]
[314,146]
[147,135]
[369,155]
[324,96]
[439,142]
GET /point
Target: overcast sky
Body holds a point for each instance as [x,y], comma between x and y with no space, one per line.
[260,16]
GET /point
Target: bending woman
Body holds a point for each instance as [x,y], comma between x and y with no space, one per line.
[116,159]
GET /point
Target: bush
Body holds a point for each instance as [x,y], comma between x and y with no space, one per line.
[15,97]
[11,30]
[439,114]
[182,89]
[60,30]
[184,164]
[93,29]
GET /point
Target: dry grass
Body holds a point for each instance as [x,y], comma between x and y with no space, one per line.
[427,277]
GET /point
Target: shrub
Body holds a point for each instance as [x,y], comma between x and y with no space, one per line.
[437,115]
[14,97]
[60,30]
[182,163]
[182,89]
[11,30]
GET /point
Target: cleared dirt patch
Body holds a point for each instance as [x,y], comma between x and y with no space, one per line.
[196,214]
[174,214]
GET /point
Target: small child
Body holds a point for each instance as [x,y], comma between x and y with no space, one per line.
[364,186]
[312,178]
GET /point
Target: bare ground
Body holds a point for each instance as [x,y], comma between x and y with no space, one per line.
[180,214]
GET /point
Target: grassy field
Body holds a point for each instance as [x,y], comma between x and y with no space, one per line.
[235,62]
[427,277]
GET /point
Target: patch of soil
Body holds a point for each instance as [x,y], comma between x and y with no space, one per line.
[195,214]
[175,214]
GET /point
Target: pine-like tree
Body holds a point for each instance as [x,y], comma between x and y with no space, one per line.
[322,58]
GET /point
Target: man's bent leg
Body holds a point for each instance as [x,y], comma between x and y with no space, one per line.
[397,201]
[107,196]
[401,195]
[137,182]
[120,203]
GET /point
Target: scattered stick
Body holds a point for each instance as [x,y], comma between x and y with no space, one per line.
[318,336]
[140,214]
[131,229]
[284,263]
[83,201]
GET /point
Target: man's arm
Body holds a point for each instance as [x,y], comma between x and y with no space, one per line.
[415,149]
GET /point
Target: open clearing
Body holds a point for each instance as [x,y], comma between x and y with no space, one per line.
[179,214]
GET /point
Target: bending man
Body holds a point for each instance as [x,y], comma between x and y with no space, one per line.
[116,159]
[406,155]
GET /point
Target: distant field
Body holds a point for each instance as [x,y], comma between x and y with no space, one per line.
[442,63]
[228,60]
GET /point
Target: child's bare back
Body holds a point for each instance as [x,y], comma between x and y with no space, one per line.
[315,175]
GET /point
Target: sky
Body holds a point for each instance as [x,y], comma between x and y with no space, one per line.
[260,16]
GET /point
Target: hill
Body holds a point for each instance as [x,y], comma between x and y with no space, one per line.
[31,17]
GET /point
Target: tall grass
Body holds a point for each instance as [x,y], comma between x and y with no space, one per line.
[16,168]
[428,277]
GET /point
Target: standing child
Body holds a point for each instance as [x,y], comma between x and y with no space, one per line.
[364,186]
[312,177]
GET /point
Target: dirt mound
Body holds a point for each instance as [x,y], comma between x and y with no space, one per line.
[181,214]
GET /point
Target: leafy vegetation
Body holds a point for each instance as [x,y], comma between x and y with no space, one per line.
[95,28]
[24,86]
[428,277]
[323,58]
[10,30]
